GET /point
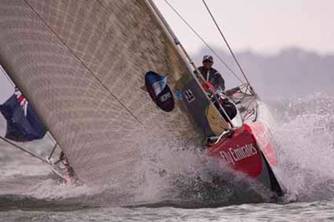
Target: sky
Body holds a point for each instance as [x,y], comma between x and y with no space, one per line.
[263,26]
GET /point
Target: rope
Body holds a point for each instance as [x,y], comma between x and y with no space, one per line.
[205,43]
[226,42]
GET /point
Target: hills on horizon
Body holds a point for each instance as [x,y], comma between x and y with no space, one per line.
[291,73]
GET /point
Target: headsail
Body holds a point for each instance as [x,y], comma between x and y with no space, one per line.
[82,65]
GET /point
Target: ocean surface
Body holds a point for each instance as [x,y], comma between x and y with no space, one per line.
[303,136]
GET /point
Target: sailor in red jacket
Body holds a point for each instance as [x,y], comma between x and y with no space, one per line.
[210,74]
[214,84]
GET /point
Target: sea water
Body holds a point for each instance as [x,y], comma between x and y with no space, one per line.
[302,133]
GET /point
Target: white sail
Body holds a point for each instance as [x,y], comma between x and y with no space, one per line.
[82,65]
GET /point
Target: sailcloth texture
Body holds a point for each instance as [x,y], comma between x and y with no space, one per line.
[82,64]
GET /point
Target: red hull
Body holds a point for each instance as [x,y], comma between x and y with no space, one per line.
[250,154]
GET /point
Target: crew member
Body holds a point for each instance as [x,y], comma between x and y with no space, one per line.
[216,81]
[210,74]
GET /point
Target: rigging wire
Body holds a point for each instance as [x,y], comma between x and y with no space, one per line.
[23,149]
[200,37]
[226,42]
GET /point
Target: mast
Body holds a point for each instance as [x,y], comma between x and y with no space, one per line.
[170,33]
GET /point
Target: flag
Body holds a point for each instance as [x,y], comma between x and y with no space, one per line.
[23,123]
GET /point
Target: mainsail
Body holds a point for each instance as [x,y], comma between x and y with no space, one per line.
[82,65]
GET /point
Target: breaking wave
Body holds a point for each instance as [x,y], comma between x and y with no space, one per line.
[303,131]
[172,173]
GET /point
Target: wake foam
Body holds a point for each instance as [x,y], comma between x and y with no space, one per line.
[304,136]
[173,172]
[179,174]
